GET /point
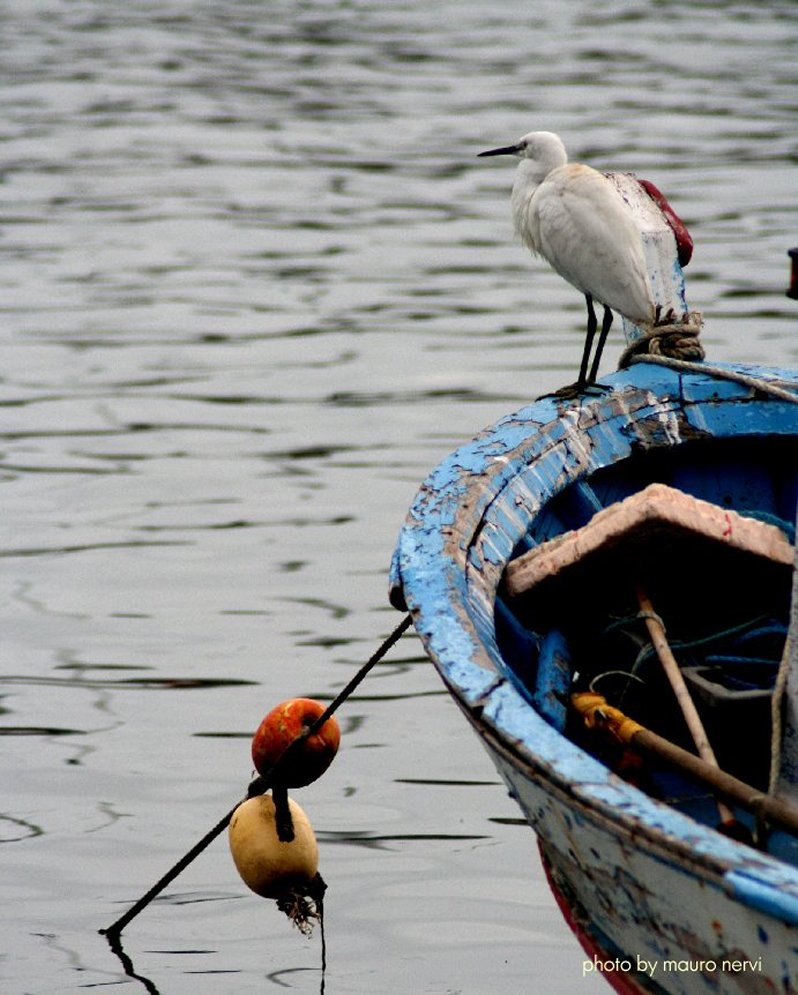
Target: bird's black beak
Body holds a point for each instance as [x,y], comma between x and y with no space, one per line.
[504,150]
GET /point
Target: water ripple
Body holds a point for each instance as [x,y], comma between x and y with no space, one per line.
[255,284]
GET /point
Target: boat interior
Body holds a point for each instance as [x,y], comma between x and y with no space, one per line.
[612,568]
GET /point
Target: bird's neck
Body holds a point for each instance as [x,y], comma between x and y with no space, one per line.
[528,178]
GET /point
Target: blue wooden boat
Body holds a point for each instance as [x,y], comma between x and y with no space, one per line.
[662,894]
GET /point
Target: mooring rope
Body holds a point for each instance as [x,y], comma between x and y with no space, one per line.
[735,376]
[674,339]
[776,716]
[674,343]
[257,786]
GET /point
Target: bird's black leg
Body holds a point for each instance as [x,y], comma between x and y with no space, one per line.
[606,321]
[591,331]
[584,385]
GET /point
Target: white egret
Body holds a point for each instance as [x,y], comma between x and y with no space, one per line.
[576,219]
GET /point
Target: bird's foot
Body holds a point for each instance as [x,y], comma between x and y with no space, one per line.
[579,388]
[666,318]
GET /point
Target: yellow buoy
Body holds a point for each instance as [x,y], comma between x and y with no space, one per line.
[267,865]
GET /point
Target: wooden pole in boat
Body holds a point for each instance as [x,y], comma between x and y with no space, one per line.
[670,665]
[597,713]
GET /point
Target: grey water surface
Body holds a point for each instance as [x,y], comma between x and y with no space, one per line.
[254,284]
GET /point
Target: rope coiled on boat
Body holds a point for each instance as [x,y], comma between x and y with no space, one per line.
[676,338]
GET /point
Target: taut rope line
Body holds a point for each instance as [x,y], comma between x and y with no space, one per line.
[735,376]
[257,786]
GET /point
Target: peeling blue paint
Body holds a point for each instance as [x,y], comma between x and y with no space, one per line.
[472,511]
[764,897]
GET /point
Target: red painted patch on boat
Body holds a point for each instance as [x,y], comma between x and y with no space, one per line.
[684,244]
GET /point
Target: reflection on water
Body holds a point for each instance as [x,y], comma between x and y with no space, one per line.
[255,283]
[118,950]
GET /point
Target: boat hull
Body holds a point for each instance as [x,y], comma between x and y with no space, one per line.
[646,884]
[650,920]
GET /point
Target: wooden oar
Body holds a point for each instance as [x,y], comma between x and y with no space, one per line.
[659,641]
[599,715]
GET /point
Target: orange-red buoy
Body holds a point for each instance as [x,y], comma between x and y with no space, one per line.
[283,724]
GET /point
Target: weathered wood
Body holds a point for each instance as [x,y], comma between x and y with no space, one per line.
[598,714]
[670,665]
[784,758]
[654,508]
[661,255]
[642,875]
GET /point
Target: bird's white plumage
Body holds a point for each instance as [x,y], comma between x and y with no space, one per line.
[575,218]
